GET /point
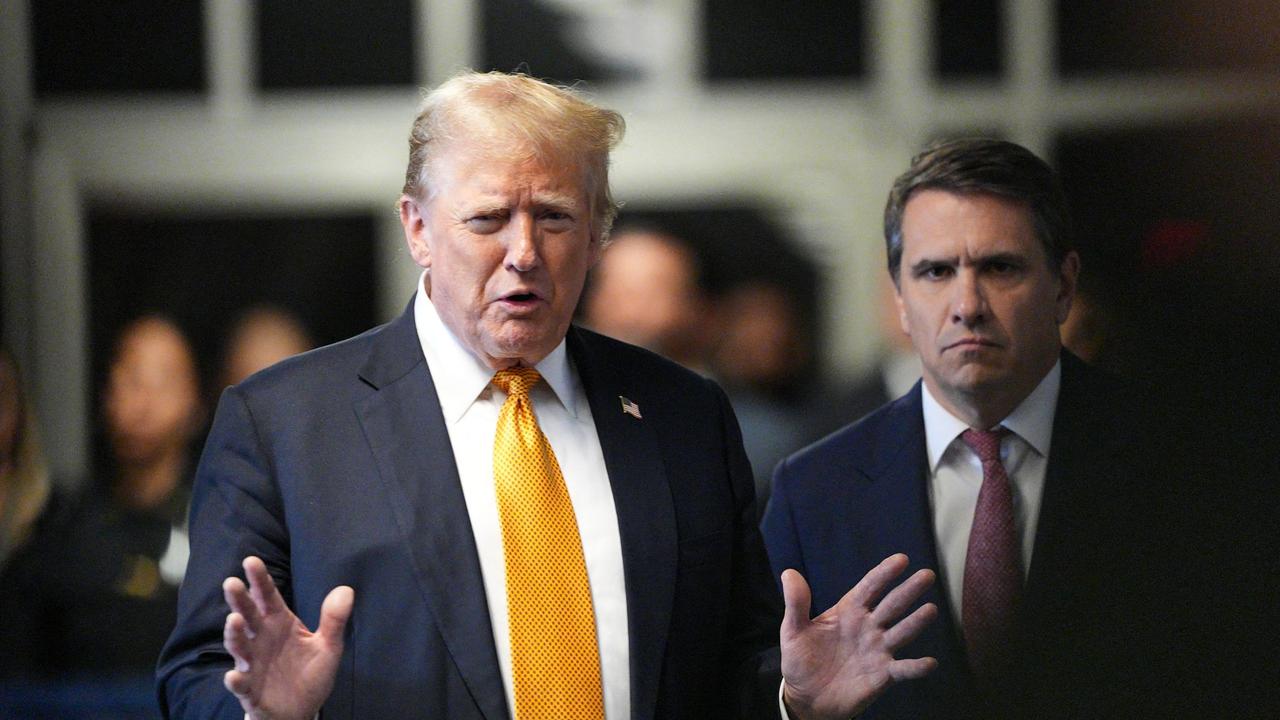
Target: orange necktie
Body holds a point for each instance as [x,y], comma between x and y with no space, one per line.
[555,661]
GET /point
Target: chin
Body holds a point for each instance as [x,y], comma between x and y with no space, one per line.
[976,378]
[523,347]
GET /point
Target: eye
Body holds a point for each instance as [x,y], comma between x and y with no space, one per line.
[1001,267]
[555,220]
[485,224]
[935,272]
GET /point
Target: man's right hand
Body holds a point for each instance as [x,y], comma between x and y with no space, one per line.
[282,670]
[837,663]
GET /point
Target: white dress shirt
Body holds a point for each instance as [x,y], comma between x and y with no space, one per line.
[470,403]
[955,476]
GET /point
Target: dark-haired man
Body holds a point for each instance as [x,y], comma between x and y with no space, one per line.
[1018,474]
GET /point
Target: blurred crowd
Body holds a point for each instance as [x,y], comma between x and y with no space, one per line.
[89,577]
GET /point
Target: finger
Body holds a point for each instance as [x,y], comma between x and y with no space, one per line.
[236,639]
[873,584]
[238,683]
[334,613]
[797,598]
[896,603]
[237,597]
[261,587]
[910,627]
[912,669]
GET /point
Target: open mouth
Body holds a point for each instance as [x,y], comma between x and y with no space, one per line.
[522,301]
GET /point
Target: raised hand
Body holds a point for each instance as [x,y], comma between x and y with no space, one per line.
[836,664]
[282,670]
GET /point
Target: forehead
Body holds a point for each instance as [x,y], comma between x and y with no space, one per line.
[940,221]
[153,344]
[501,167]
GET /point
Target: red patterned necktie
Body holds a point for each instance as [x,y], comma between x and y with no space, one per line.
[993,565]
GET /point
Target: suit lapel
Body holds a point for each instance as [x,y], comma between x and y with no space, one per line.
[646,515]
[902,519]
[405,429]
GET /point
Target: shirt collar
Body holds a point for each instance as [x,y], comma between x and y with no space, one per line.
[460,377]
[1031,420]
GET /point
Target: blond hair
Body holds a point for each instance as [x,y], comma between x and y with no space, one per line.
[534,117]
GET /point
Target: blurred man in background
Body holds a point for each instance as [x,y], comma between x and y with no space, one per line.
[646,290]
[261,337]
[760,356]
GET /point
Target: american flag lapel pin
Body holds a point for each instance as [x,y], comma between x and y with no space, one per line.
[630,407]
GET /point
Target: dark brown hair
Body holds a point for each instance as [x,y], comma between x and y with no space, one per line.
[983,166]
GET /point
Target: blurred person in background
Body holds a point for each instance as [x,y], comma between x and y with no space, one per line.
[261,337]
[760,356]
[99,588]
[646,290]
[25,498]
[896,369]
[24,478]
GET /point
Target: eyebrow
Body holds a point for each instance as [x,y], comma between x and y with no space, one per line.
[556,200]
[1010,258]
[925,263]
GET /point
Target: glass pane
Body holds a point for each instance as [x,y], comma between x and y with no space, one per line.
[90,46]
[1100,36]
[970,39]
[766,39]
[313,43]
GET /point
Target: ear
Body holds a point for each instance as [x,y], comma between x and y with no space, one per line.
[413,220]
[1068,276]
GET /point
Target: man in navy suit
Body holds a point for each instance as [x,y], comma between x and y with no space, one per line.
[355,484]
[1023,478]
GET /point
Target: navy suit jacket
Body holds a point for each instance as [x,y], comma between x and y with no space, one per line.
[1092,640]
[335,467]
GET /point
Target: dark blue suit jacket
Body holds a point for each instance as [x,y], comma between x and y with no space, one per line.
[335,468]
[1092,640]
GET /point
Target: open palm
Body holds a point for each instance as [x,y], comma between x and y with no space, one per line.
[282,670]
[836,664]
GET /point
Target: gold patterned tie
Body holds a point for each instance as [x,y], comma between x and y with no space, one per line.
[555,662]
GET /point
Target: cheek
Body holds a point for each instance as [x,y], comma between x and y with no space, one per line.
[904,318]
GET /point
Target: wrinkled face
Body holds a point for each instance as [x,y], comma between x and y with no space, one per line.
[978,297]
[507,244]
[152,395]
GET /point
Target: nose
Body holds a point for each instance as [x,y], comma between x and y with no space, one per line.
[522,244]
[969,301]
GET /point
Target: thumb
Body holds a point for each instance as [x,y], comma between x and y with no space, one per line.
[334,614]
[797,598]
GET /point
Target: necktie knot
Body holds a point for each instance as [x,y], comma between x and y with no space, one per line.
[517,381]
[984,443]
